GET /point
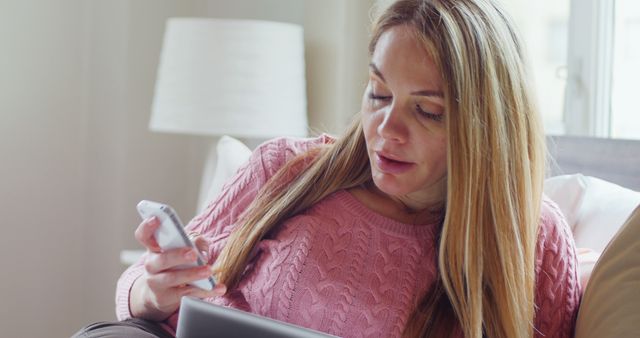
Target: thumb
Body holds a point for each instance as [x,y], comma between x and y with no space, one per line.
[202,245]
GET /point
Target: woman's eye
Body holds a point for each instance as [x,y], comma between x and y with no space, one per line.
[375,97]
[429,115]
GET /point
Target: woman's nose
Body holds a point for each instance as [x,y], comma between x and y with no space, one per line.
[393,127]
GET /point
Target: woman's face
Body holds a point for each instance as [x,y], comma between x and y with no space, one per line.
[403,119]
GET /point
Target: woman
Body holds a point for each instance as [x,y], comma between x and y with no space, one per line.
[425,219]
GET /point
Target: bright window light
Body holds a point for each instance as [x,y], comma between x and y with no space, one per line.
[546,39]
[625,115]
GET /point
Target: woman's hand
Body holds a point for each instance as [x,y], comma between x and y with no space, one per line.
[157,293]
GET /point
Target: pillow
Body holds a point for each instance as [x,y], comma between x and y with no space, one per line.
[587,259]
[610,305]
[595,209]
[567,191]
[232,154]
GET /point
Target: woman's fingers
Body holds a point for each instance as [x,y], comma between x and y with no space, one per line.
[145,234]
[177,278]
[159,262]
[218,290]
[167,279]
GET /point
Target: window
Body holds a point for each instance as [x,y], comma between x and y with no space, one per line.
[603,64]
[625,115]
[545,35]
[585,59]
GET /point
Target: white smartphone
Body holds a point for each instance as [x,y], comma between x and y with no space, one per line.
[171,235]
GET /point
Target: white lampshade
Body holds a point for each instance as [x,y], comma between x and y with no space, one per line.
[244,78]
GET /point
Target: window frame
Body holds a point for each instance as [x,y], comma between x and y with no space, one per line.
[587,108]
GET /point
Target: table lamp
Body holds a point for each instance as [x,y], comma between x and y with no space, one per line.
[243,78]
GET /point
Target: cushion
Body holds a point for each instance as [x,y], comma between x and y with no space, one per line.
[231,155]
[611,303]
[594,208]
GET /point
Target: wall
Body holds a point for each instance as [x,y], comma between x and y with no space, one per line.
[336,34]
[42,168]
[75,94]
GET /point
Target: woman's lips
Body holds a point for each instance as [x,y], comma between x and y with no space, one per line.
[390,166]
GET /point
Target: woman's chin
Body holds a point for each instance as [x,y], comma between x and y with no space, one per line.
[389,186]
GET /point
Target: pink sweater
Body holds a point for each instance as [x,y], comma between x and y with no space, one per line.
[344,269]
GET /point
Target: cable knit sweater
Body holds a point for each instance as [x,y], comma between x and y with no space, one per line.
[344,269]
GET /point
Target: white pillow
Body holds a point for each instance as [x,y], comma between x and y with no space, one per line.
[595,209]
[231,155]
[568,192]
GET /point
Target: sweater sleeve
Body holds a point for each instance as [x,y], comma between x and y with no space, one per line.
[218,220]
[557,285]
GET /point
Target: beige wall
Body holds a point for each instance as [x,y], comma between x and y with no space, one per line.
[76,154]
[336,33]
[41,165]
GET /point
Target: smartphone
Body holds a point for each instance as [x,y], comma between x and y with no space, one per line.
[171,235]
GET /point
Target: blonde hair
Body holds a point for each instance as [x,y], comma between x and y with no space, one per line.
[495,161]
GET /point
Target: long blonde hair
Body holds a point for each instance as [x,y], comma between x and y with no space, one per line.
[495,159]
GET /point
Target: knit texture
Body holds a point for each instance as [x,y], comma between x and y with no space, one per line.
[344,269]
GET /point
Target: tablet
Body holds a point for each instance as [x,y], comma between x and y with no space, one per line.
[199,319]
